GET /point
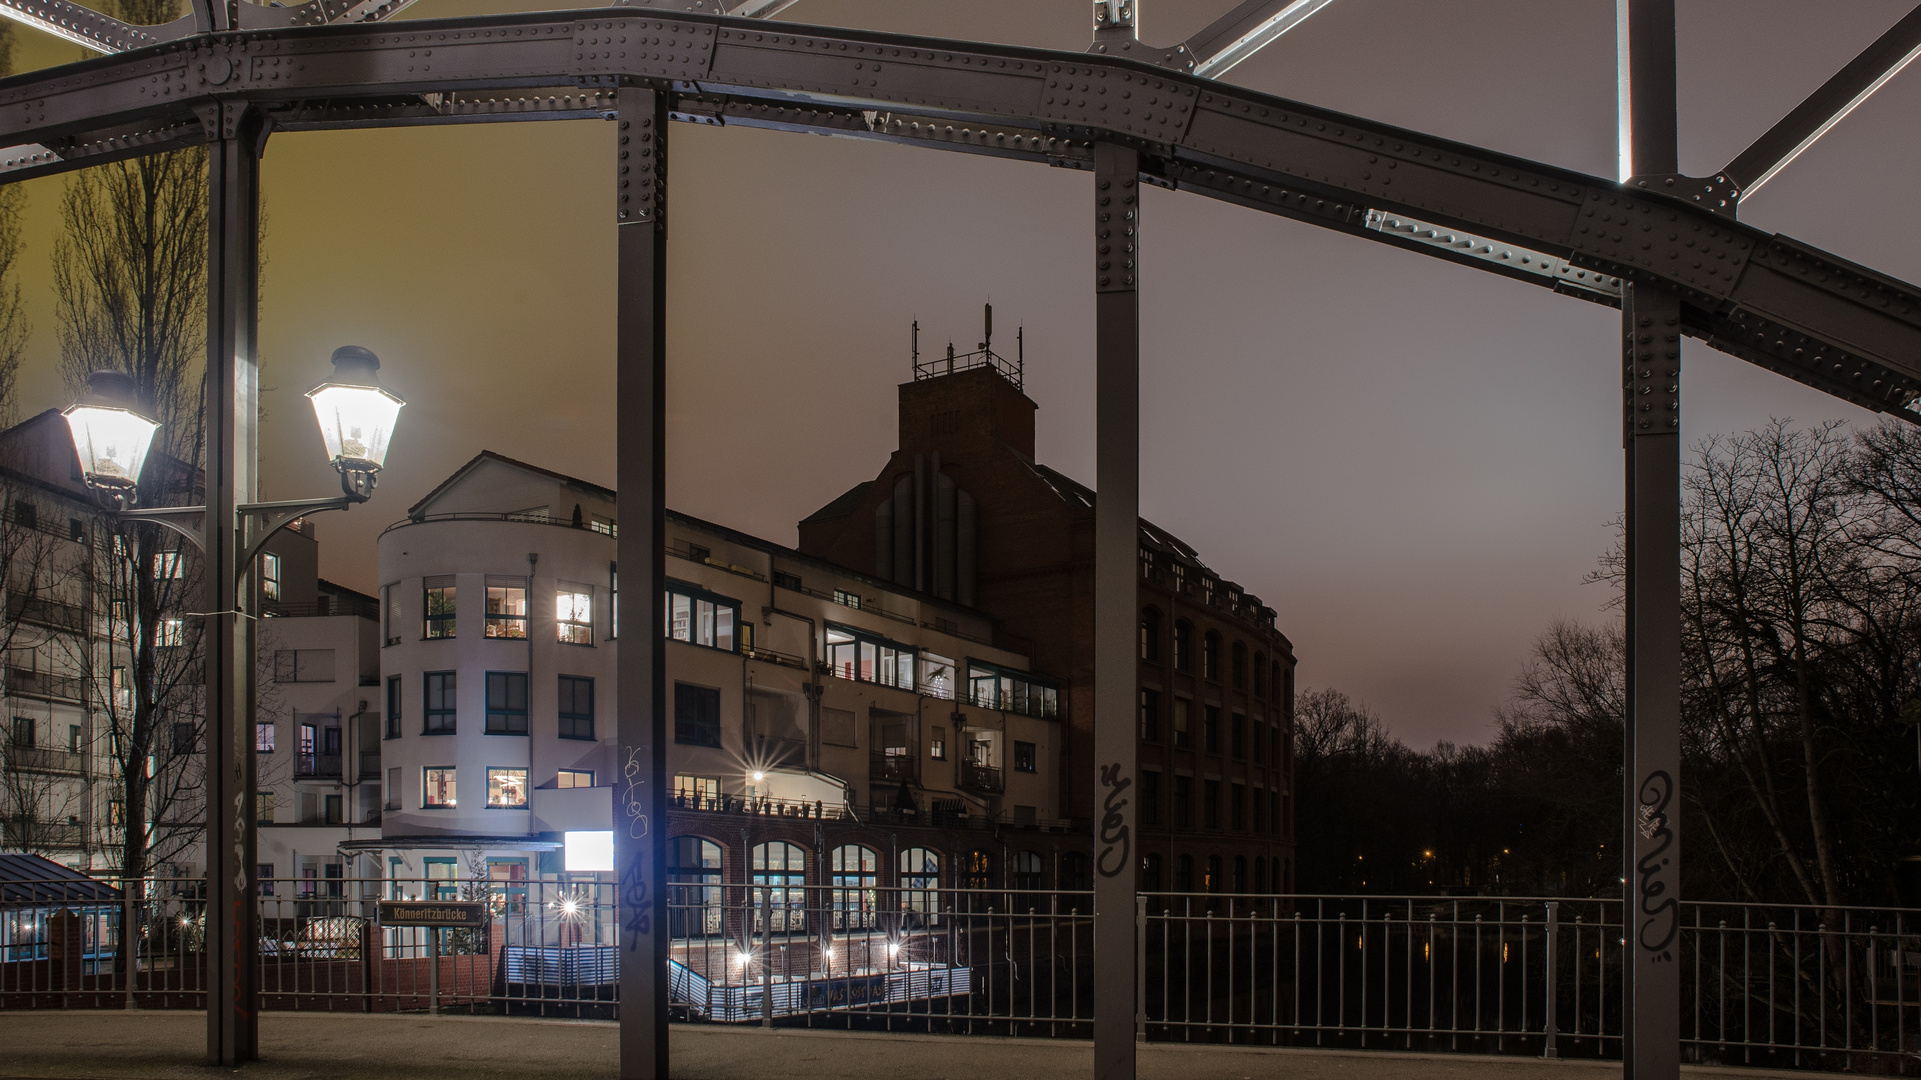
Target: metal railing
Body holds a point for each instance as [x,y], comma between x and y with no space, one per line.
[1775,986]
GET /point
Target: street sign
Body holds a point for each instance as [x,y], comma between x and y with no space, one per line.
[442,913]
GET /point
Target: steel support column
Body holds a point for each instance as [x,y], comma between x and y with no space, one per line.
[233,277]
[1651,380]
[640,818]
[1117,413]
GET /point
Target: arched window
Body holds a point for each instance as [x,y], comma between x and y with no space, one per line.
[1260,675]
[977,872]
[1074,872]
[693,887]
[1150,873]
[783,868]
[1183,645]
[856,872]
[1240,873]
[1024,875]
[1284,883]
[1211,657]
[1213,883]
[920,885]
[1151,635]
[1260,874]
[1184,873]
[1237,670]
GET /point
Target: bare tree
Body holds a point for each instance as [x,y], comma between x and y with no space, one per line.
[37,788]
[129,272]
[13,319]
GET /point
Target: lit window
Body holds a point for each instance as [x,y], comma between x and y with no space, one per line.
[937,743]
[506,611]
[437,602]
[701,618]
[575,778]
[576,707]
[574,615]
[263,807]
[263,738]
[991,687]
[167,566]
[506,789]
[613,600]
[169,633]
[437,786]
[122,689]
[847,599]
[863,657]
[506,703]
[269,576]
[696,791]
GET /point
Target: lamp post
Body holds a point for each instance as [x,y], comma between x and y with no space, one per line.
[111,435]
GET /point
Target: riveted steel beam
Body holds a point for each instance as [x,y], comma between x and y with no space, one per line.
[1215,139]
[103,33]
[1826,107]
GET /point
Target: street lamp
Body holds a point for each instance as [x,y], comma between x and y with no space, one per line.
[111,435]
[356,418]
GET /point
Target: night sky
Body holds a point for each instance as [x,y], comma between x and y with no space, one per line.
[1412,462]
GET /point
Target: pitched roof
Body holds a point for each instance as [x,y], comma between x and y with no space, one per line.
[842,506]
[488,455]
[32,879]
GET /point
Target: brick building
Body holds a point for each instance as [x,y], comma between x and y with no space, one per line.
[964,512]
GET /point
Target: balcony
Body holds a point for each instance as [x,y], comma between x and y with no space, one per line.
[27,834]
[42,684]
[42,760]
[980,778]
[48,613]
[316,766]
[893,766]
[370,764]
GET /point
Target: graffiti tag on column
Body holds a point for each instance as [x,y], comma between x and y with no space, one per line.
[634,892]
[1116,844]
[1660,914]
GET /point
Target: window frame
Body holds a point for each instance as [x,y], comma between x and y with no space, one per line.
[512,627]
[493,769]
[450,697]
[1029,753]
[394,706]
[570,720]
[681,726]
[885,673]
[575,774]
[570,626]
[426,789]
[438,625]
[506,711]
[695,596]
[267,728]
[1029,695]
[269,576]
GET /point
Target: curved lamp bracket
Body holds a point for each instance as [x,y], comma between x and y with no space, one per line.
[259,522]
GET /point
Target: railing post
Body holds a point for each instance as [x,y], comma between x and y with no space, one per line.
[766,957]
[1651,359]
[129,943]
[1553,988]
[1117,396]
[1140,968]
[433,971]
[640,297]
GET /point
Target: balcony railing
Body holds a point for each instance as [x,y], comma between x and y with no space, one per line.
[42,759]
[763,807]
[27,834]
[370,764]
[42,684]
[49,613]
[902,766]
[981,778]
[316,765]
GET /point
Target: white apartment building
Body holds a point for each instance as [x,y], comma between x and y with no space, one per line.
[819,716]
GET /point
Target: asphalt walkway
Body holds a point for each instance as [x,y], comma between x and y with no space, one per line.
[100,1045]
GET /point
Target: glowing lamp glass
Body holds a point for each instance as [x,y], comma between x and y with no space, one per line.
[356,423]
[112,443]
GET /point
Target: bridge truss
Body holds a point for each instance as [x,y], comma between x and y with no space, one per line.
[1668,250]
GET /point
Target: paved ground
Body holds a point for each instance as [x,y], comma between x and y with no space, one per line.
[88,1045]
